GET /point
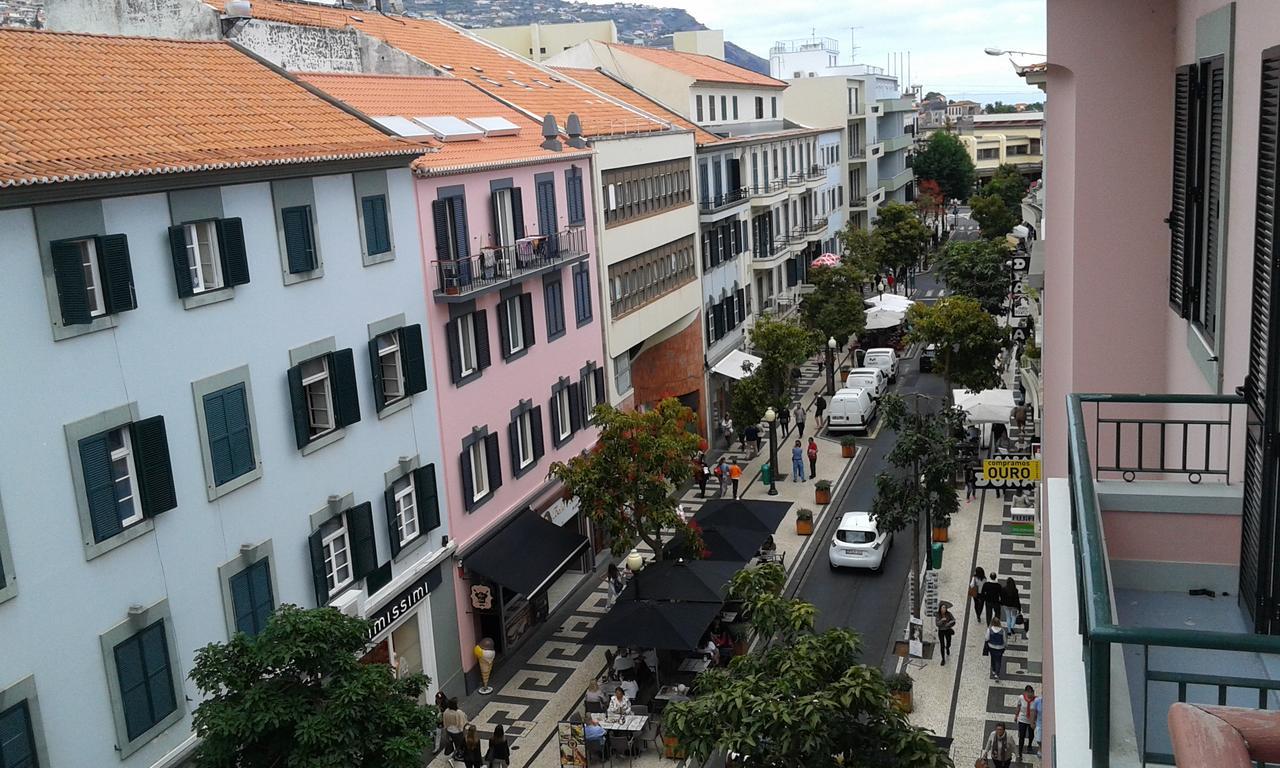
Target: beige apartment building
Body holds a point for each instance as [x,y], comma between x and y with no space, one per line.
[537,41]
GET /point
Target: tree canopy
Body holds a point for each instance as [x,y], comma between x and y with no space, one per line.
[861,250]
[903,236]
[929,199]
[298,695]
[946,161]
[976,268]
[992,215]
[624,483]
[999,108]
[782,346]
[1009,185]
[968,339]
[834,308]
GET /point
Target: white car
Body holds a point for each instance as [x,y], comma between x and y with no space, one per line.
[857,543]
[871,379]
[884,358]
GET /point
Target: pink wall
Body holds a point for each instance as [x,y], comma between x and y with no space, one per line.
[1172,538]
[488,400]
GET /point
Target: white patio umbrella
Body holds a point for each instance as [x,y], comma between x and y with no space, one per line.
[890,301]
[990,406]
[879,318]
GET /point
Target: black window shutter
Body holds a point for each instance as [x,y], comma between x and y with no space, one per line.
[298,400]
[393,527]
[364,548]
[460,237]
[155,474]
[68,273]
[299,248]
[468,488]
[235,260]
[1181,213]
[517,212]
[377,238]
[181,262]
[741,305]
[1215,116]
[319,577]
[481,320]
[555,416]
[718,315]
[513,444]
[428,498]
[455,349]
[504,335]
[413,360]
[730,314]
[535,419]
[440,216]
[494,462]
[230,442]
[526,318]
[1261,324]
[375,368]
[575,407]
[117,273]
[99,487]
[342,374]
[598,383]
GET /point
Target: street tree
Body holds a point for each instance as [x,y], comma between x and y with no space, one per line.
[929,200]
[968,340]
[1010,186]
[925,462]
[624,482]
[934,96]
[976,268]
[945,160]
[834,308]
[992,215]
[903,237]
[800,699]
[750,397]
[783,345]
[861,251]
[298,695]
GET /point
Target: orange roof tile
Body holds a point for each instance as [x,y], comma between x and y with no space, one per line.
[489,67]
[707,69]
[78,107]
[382,95]
[604,83]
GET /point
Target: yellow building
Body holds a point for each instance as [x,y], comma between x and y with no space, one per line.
[1015,138]
[538,41]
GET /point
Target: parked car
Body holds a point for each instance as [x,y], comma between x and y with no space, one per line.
[884,358]
[851,409]
[872,379]
[858,543]
[928,358]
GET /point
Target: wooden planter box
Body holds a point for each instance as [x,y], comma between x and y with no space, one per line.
[847,451]
[671,748]
[822,497]
[940,534]
[902,700]
[804,527]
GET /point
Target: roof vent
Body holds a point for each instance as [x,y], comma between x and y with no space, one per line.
[550,134]
[354,17]
[238,8]
[475,68]
[539,82]
[573,127]
[495,126]
[450,128]
[447,67]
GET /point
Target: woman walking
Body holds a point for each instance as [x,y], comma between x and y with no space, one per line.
[994,647]
[701,471]
[799,414]
[998,749]
[616,584]
[1010,603]
[797,462]
[1024,714]
[976,583]
[499,754]
[970,483]
[819,405]
[784,421]
[812,453]
[946,622]
[471,749]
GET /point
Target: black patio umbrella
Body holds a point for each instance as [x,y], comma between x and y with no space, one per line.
[659,624]
[753,515]
[736,545]
[697,581]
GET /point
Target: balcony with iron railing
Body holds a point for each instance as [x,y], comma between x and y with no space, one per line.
[858,155]
[795,179]
[496,267]
[766,254]
[815,172]
[723,201]
[765,195]
[1144,546]
[814,228]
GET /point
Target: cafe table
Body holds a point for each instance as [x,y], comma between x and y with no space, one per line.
[624,723]
[696,664]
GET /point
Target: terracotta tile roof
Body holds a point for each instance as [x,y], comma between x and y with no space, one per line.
[620,91]
[489,67]
[382,95]
[706,69]
[78,107]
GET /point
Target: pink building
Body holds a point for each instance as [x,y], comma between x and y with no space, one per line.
[513,306]
[1160,173]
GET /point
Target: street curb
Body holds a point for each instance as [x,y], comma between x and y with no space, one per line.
[805,557]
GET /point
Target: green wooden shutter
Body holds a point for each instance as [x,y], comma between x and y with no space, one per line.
[481,319]
[151,458]
[461,240]
[517,212]
[494,461]
[226,416]
[181,260]
[575,407]
[298,244]
[298,401]
[251,598]
[1215,117]
[342,374]
[504,336]
[117,274]
[468,488]
[513,444]
[1182,221]
[393,527]
[99,487]
[535,418]
[364,548]
[145,678]
[440,218]
[601,395]
[17,739]
[526,318]
[231,249]
[375,369]
[428,497]
[319,577]
[377,234]
[68,274]
[455,348]
[413,361]
[554,408]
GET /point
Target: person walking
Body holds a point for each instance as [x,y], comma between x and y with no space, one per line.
[615,583]
[812,453]
[797,462]
[702,471]
[735,474]
[499,753]
[759,437]
[994,647]
[784,421]
[455,720]
[751,436]
[1010,603]
[1037,710]
[819,407]
[976,583]
[998,749]
[471,749]
[991,595]
[1025,717]
[970,483]
[799,414]
[726,430]
[946,622]
[722,471]
[442,703]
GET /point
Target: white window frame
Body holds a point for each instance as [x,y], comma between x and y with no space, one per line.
[204,263]
[92,277]
[524,439]
[589,395]
[479,471]
[515,325]
[467,345]
[505,227]
[406,498]
[335,544]
[325,389]
[125,453]
[565,428]
[391,365]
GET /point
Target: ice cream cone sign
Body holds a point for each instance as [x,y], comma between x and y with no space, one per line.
[485,655]
[479,652]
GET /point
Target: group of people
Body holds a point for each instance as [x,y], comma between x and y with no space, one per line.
[1029,715]
[461,740]
[726,470]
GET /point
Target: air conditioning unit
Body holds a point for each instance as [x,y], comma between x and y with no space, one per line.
[350,603]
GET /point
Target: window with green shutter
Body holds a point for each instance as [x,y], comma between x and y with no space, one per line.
[146,679]
[299,242]
[252,598]
[226,415]
[17,740]
[377,230]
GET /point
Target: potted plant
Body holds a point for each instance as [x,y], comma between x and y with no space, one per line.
[822,492]
[848,446]
[900,686]
[941,523]
[804,522]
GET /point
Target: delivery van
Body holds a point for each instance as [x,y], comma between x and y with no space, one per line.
[885,359]
[851,409]
[872,379]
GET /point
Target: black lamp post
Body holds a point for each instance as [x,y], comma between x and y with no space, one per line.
[831,367]
[771,418]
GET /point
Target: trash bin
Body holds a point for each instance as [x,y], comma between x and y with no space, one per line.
[935,555]
[766,473]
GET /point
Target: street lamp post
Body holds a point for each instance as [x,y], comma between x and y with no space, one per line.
[771,418]
[831,367]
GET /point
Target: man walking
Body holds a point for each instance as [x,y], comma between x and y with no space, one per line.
[784,421]
[970,483]
[735,474]
[797,462]
[812,452]
[819,405]
[799,420]
[1024,715]
[701,469]
[722,471]
[751,436]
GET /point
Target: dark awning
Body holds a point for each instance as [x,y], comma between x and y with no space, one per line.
[736,545]
[755,515]
[692,581]
[653,624]
[526,554]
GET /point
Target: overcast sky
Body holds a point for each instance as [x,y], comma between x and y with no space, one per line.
[945,37]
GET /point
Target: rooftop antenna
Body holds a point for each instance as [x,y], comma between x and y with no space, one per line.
[853,45]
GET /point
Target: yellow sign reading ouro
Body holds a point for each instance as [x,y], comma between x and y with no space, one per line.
[1015,470]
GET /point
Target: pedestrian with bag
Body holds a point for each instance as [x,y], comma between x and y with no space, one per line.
[998,750]
[615,583]
[1024,716]
[797,462]
[442,703]
[759,437]
[722,474]
[499,754]
[970,483]
[799,414]
[1037,710]
[726,429]
[735,474]
[994,647]
[812,453]
[976,583]
[1010,603]
[819,407]
[946,622]
[784,421]
[992,594]
[751,436]
[700,473]
[454,720]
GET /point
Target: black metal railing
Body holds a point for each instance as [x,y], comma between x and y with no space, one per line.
[496,266]
[768,188]
[1130,445]
[723,200]
[815,226]
[795,179]
[815,172]
[769,249]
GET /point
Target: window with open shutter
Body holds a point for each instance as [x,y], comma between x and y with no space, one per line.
[1205,297]
[346,402]
[480,326]
[72,273]
[96,466]
[319,571]
[492,461]
[299,242]
[424,483]
[231,249]
[1182,218]
[413,359]
[117,273]
[364,549]
[155,473]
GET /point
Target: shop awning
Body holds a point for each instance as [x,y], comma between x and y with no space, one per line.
[685,581]
[734,365]
[752,514]
[526,554]
[656,624]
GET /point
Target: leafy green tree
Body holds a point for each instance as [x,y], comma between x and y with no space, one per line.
[992,215]
[750,397]
[800,699]
[624,482]
[976,268]
[903,236]
[861,251]
[999,108]
[298,695]
[924,462]
[968,339]
[933,96]
[1009,185]
[835,307]
[945,160]
[783,346]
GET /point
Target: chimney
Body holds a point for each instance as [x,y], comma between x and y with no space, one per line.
[550,134]
[574,128]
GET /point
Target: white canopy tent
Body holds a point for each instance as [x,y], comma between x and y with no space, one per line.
[990,406]
[879,318]
[735,365]
[890,301]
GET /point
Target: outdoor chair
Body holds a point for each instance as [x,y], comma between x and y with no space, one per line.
[620,747]
[639,709]
[594,707]
[649,736]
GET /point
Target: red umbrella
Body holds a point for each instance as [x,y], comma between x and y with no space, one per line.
[826,260]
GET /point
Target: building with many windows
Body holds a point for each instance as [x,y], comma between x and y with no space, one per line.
[219,390]
[1015,138]
[537,42]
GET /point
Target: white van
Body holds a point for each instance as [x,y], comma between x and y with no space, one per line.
[872,379]
[851,409]
[858,543]
[885,359]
